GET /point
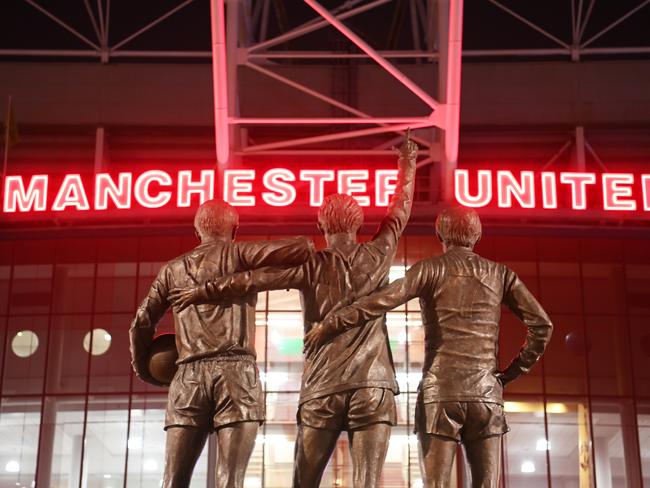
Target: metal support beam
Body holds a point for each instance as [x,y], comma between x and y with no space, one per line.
[450,32]
[220,80]
[365,47]
[308,27]
[54,18]
[151,24]
[334,137]
[580,160]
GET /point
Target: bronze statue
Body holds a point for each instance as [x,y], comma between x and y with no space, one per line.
[216,387]
[348,384]
[461,394]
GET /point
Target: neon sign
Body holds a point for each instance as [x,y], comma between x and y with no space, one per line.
[152,189]
[621,192]
[282,187]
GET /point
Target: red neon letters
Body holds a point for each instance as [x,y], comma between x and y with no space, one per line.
[519,190]
[282,187]
[156,188]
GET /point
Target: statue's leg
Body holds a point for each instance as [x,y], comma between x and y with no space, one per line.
[436,459]
[368,447]
[484,458]
[183,447]
[235,443]
[313,449]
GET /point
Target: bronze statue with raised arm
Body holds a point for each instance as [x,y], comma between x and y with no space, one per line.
[348,384]
[461,394]
[216,387]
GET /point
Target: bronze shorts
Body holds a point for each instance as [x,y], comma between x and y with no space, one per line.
[214,392]
[349,410]
[460,421]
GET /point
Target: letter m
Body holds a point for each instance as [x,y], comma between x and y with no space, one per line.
[17,199]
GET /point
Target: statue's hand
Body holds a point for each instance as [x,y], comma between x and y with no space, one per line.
[142,372]
[316,337]
[181,298]
[408,151]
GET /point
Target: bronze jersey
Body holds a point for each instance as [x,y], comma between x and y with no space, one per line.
[210,329]
[332,278]
[460,296]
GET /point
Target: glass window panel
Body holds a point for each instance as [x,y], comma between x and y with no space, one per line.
[146,445]
[638,288]
[261,301]
[565,356]
[636,251]
[76,251]
[643,421]
[110,371]
[526,445]
[20,420]
[23,374]
[62,442]
[603,288]
[640,343]
[105,450]
[615,443]
[284,349]
[413,305]
[285,300]
[160,248]
[73,287]
[117,250]
[609,355]
[421,247]
[34,251]
[398,337]
[560,287]
[255,469]
[278,443]
[405,405]
[5,275]
[31,289]
[115,290]
[6,256]
[67,361]
[281,407]
[260,340]
[639,329]
[601,250]
[415,348]
[509,248]
[398,467]
[570,440]
[558,249]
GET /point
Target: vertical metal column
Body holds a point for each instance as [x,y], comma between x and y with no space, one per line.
[450,45]
[220,80]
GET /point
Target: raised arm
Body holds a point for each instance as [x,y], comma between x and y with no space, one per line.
[372,306]
[143,327]
[239,284]
[279,252]
[399,209]
[524,305]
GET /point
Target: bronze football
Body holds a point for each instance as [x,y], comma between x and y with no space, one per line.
[162,358]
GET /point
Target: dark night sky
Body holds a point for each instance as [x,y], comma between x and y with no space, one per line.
[386,27]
